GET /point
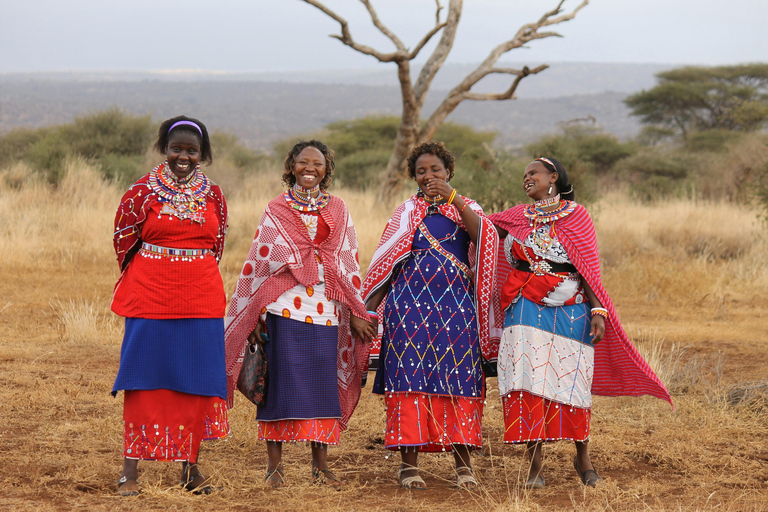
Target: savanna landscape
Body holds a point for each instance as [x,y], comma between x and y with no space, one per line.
[675,176]
[684,260]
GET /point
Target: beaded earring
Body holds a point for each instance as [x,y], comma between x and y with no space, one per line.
[550,189]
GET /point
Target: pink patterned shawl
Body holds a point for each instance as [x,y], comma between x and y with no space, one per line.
[619,367]
[282,255]
[395,246]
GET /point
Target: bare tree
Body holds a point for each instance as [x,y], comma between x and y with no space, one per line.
[411,130]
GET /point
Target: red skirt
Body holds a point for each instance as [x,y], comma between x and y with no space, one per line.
[432,422]
[167,425]
[320,430]
[529,417]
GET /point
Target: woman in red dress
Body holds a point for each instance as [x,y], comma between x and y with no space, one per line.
[169,237]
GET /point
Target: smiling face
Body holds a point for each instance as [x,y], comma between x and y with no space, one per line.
[309,168]
[182,153]
[429,167]
[537,180]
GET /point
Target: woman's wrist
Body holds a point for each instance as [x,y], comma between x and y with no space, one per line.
[452,196]
[600,312]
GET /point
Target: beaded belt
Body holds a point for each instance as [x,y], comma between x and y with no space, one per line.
[546,266]
[155,251]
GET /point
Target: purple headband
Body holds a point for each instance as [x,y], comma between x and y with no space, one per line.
[190,123]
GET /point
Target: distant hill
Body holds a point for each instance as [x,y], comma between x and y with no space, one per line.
[264,108]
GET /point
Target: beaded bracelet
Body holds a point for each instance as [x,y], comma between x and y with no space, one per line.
[600,311]
[453,194]
[373,314]
[463,207]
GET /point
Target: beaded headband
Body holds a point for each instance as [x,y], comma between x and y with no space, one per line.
[190,123]
[547,160]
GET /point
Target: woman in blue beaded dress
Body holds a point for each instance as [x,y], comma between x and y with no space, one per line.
[431,281]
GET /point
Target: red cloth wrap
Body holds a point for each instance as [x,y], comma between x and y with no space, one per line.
[395,245]
[620,370]
[282,255]
[134,208]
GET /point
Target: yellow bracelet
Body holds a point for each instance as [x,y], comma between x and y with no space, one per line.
[453,194]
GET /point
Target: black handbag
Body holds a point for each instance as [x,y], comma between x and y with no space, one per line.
[252,381]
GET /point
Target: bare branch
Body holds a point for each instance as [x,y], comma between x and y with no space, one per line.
[425,40]
[509,93]
[437,59]
[383,28]
[346,36]
[437,14]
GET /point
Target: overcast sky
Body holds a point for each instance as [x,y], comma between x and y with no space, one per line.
[289,35]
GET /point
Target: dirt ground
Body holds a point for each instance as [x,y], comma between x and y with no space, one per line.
[699,320]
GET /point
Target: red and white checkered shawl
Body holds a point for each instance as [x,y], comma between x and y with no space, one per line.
[395,246]
[620,370]
[132,213]
[282,255]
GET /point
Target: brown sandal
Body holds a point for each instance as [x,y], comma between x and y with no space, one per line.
[276,482]
[124,480]
[325,476]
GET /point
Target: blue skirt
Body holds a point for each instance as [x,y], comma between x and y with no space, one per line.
[184,354]
[302,381]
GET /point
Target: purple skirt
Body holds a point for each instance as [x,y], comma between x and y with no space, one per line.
[301,371]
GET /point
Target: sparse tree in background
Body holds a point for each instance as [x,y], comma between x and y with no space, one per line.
[412,130]
[696,99]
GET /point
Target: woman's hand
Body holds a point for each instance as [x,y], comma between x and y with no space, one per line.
[362,329]
[437,186]
[255,336]
[597,330]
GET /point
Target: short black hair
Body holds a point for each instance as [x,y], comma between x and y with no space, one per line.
[164,133]
[431,148]
[290,180]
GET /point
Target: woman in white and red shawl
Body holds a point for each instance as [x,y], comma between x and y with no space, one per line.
[169,236]
[556,312]
[300,285]
[432,283]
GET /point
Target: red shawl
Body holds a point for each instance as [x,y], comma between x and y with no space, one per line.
[282,255]
[619,367]
[395,246]
[132,213]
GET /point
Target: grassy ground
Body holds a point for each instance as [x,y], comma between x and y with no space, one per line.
[688,279]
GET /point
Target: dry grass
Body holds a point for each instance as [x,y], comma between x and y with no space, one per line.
[688,279]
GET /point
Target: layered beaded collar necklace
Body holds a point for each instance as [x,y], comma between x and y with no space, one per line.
[538,216]
[300,198]
[183,199]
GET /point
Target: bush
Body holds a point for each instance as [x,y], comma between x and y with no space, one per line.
[654,173]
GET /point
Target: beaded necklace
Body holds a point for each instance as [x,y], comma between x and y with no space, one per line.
[537,217]
[549,201]
[185,200]
[301,199]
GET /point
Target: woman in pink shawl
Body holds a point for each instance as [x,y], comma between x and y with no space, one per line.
[432,282]
[300,286]
[556,312]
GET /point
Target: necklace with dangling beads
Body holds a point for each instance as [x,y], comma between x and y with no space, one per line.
[538,216]
[183,199]
[301,199]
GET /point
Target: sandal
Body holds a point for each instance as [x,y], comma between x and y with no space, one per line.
[325,476]
[276,482]
[465,481]
[588,477]
[535,482]
[409,482]
[123,480]
[197,484]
